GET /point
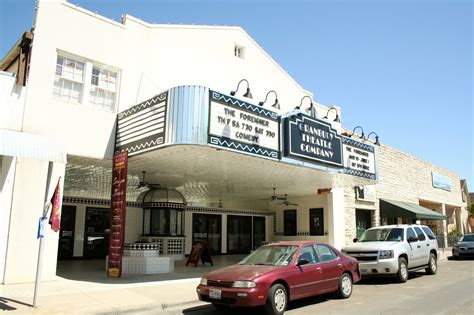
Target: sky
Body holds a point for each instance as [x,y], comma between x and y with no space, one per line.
[400,68]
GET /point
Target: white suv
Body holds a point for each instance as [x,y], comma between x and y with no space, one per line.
[395,250]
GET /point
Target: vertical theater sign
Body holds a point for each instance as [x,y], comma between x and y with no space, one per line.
[117,214]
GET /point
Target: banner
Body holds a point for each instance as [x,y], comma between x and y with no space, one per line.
[117,214]
[55,218]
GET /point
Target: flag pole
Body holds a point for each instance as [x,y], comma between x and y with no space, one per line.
[39,265]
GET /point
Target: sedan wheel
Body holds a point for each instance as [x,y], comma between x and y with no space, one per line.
[276,300]
[345,286]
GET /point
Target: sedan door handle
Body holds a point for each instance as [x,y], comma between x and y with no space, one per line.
[428,245]
[418,246]
[318,268]
[339,265]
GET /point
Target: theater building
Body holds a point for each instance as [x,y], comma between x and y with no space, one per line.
[223,146]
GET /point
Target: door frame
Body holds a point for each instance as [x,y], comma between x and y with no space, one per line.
[251,236]
[207,216]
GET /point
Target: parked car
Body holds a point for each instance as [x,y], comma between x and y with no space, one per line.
[395,250]
[277,273]
[464,247]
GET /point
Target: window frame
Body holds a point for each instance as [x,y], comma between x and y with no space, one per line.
[167,218]
[418,230]
[333,254]
[317,260]
[87,88]
[413,231]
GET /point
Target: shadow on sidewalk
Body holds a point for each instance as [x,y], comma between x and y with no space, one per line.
[6,304]
[94,270]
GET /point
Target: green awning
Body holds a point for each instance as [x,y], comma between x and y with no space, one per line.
[399,209]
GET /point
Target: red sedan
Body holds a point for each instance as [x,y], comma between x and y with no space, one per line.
[280,272]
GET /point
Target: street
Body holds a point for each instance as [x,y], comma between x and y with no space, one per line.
[450,291]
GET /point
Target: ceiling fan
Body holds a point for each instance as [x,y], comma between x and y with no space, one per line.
[144,183]
[286,202]
[219,205]
[274,196]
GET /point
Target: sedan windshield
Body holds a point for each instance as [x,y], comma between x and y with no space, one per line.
[273,255]
[467,238]
[388,235]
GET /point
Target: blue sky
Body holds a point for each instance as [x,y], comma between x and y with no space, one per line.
[403,69]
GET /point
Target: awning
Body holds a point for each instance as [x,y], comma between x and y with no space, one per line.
[25,145]
[399,209]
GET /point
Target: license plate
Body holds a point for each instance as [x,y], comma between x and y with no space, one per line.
[363,270]
[215,294]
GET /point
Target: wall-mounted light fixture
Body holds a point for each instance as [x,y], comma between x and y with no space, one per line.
[301,102]
[276,104]
[353,132]
[337,115]
[247,94]
[376,137]
[311,107]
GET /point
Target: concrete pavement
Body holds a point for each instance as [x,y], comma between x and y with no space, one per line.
[65,296]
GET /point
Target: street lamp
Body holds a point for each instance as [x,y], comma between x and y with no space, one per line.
[247,94]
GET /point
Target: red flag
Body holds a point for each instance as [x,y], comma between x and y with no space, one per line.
[55,218]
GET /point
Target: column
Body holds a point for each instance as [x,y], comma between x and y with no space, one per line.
[224,234]
[336,217]
[444,226]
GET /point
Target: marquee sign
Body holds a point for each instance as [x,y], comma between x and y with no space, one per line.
[308,138]
[240,126]
[359,158]
[141,128]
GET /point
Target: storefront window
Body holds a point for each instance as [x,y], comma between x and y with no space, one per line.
[166,222]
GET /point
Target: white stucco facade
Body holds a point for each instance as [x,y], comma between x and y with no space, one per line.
[145,60]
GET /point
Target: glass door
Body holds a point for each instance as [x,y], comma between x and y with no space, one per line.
[208,227]
[66,234]
[258,231]
[97,233]
[363,221]
[239,234]
[316,221]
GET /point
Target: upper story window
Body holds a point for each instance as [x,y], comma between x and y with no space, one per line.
[69,80]
[239,51]
[103,88]
[85,82]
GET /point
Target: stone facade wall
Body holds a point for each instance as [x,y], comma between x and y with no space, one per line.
[403,177]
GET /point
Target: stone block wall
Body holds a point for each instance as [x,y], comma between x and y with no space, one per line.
[402,177]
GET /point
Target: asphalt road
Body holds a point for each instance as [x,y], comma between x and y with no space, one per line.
[450,291]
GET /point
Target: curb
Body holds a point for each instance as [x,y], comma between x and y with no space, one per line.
[168,307]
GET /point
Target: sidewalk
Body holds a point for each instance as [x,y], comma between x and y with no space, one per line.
[64,296]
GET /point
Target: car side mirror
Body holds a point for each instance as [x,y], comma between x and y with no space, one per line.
[355,240]
[412,239]
[302,261]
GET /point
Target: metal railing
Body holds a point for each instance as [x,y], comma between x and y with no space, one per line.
[451,241]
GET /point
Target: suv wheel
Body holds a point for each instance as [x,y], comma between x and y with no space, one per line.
[432,265]
[402,274]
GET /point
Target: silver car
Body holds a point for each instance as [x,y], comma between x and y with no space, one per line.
[464,247]
[394,250]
